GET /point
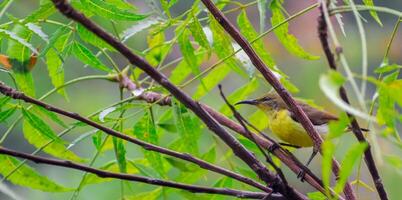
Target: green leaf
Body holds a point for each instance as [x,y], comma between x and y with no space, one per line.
[211,80]
[54,38]
[259,119]
[27,176]
[210,155]
[157,46]
[38,31]
[7,113]
[51,115]
[55,63]
[330,84]
[91,38]
[4,101]
[166,4]
[111,167]
[18,45]
[262,9]
[152,195]
[145,130]
[373,13]
[339,127]
[187,126]
[328,149]
[37,123]
[53,147]
[120,154]
[179,164]
[182,70]
[282,32]
[240,94]
[316,196]
[44,12]
[224,182]
[387,68]
[87,57]
[187,50]
[23,77]
[197,32]
[350,159]
[222,46]
[111,11]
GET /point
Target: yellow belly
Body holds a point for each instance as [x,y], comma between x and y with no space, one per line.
[283,126]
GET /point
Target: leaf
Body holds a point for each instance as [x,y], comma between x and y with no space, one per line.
[350,159]
[330,84]
[27,176]
[105,112]
[328,149]
[52,116]
[240,94]
[54,38]
[282,32]
[23,77]
[38,31]
[373,13]
[45,10]
[222,46]
[145,130]
[55,63]
[387,68]
[259,119]
[187,50]
[182,166]
[6,114]
[4,101]
[111,167]
[197,32]
[152,195]
[262,9]
[211,80]
[37,123]
[182,71]
[91,38]
[224,182]
[187,126]
[55,148]
[316,196]
[18,45]
[166,4]
[337,128]
[87,57]
[157,46]
[111,11]
[140,26]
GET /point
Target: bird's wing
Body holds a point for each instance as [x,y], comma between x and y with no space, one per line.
[317,117]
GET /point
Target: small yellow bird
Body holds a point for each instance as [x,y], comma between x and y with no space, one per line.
[283,122]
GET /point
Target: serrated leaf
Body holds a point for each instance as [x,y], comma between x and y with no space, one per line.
[44,11]
[387,68]
[54,38]
[222,46]
[23,77]
[7,113]
[182,70]
[187,127]
[328,149]
[158,47]
[240,94]
[348,162]
[337,128]
[51,115]
[18,45]
[38,31]
[211,80]
[182,166]
[373,13]
[112,167]
[282,32]
[55,63]
[37,123]
[4,101]
[87,57]
[111,11]
[224,182]
[27,176]
[145,130]
[187,50]
[56,148]
[198,33]
[140,26]
[330,84]
[152,195]
[91,38]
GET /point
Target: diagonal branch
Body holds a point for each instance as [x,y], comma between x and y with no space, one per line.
[368,157]
[279,88]
[148,146]
[142,179]
[238,149]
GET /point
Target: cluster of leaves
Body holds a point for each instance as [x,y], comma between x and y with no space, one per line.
[200,40]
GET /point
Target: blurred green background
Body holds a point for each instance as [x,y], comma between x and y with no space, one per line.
[90,96]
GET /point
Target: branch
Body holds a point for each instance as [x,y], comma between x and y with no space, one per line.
[271,79]
[368,157]
[142,179]
[148,146]
[238,149]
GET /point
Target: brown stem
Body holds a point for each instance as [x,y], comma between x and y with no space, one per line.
[368,157]
[238,149]
[148,146]
[151,181]
[279,88]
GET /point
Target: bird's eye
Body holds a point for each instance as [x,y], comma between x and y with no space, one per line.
[266,99]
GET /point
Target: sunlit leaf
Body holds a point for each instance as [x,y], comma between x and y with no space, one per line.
[316,196]
[328,149]
[91,38]
[18,46]
[338,127]
[42,127]
[211,80]
[51,115]
[111,11]
[182,70]
[152,195]
[112,167]
[23,77]
[56,148]
[348,162]
[373,13]
[259,120]
[157,46]
[198,33]
[6,114]
[43,12]
[87,57]
[27,176]
[387,68]
[188,50]
[288,40]
[140,26]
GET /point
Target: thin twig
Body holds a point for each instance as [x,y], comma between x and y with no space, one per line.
[148,146]
[368,157]
[151,181]
[274,82]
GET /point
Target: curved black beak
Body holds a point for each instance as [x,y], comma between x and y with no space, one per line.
[250,102]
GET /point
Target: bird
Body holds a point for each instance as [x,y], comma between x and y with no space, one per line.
[284,123]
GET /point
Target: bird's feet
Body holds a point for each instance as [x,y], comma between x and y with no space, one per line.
[301,175]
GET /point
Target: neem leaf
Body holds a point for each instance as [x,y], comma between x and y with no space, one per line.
[111,11]
[373,13]
[288,40]
[87,57]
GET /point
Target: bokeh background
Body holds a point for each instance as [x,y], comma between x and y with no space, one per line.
[90,96]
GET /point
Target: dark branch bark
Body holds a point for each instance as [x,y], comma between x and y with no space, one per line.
[368,157]
[238,149]
[129,177]
[271,79]
[151,147]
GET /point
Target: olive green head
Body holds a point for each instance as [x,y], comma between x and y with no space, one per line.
[270,101]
